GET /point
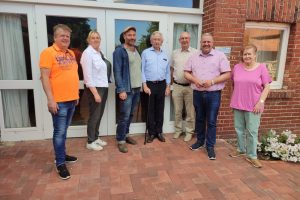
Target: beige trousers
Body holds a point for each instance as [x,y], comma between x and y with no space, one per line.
[183,95]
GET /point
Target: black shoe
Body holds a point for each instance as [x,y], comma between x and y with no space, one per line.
[150,138]
[63,172]
[71,159]
[211,153]
[129,140]
[160,137]
[196,146]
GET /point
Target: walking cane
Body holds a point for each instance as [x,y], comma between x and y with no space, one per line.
[147,120]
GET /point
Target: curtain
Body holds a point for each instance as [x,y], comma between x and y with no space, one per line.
[191,28]
[13,67]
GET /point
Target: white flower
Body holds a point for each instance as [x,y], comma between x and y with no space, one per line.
[288,151]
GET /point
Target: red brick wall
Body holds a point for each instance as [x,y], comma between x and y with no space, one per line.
[226,19]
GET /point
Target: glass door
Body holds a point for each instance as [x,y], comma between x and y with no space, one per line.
[19,91]
[179,23]
[145,24]
[81,21]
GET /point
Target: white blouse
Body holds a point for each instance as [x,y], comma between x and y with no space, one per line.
[94,68]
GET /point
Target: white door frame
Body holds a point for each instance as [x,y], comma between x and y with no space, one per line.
[111,16]
[64,11]
[184,19]
[30,133]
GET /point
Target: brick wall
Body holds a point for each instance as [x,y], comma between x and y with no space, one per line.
[226,19]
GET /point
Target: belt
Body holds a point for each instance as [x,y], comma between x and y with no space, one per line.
[204,91]
[155,82]
[182,84]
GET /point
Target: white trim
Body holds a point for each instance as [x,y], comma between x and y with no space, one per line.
[283,49]
[118,6]
[28,10]
[17,84]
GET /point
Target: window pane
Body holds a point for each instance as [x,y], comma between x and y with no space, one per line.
[18,108]
[80,30]
[268,42]
[81,113]
[191,28]
[14,38]
[143,32]
[169,3]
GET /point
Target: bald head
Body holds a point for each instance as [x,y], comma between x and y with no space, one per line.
[184,40]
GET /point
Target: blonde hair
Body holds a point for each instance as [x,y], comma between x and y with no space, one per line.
[250,46]
[90,35]
[61,26]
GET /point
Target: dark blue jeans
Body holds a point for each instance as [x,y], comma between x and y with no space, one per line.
[61,122]
[206,107]
[126,110]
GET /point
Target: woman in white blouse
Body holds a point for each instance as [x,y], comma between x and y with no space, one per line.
[96,87]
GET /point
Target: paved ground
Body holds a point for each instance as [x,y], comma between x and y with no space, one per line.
[156,171]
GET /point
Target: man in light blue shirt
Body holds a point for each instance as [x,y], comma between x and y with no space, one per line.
[156,83]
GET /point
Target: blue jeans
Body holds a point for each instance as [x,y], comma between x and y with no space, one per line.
[206,107]
[61,121]
[126,110]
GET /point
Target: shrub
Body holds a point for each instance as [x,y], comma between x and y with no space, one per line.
[284,146]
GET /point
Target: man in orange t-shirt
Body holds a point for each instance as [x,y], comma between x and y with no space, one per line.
[61,85]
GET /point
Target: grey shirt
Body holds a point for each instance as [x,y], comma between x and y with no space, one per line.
[135,68]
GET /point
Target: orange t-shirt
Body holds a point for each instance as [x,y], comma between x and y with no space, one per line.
[64,79]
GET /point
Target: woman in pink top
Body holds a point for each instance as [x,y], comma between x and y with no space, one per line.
[250,89]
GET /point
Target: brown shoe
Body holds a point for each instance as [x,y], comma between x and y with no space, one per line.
[123,148]
[254,162]
[129,140]
[236,154]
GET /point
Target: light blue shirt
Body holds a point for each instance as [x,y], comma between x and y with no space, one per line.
[155,66]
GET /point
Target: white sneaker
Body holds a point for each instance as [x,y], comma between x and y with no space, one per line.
[94,146]
[100,142]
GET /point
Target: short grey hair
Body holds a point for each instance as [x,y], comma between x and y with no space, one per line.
[156,33]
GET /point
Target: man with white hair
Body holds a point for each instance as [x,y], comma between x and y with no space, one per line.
[156,83]
[182,93]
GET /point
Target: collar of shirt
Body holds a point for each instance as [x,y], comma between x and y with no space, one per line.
[93,50]
[211,53]
[56,48]
[152,49]
[187,50]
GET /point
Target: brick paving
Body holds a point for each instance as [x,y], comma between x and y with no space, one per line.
[156,171]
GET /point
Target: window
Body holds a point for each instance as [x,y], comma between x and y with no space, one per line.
[17,104]
[271,40]
[170,3]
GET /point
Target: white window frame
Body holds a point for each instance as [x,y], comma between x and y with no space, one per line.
[283,49]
